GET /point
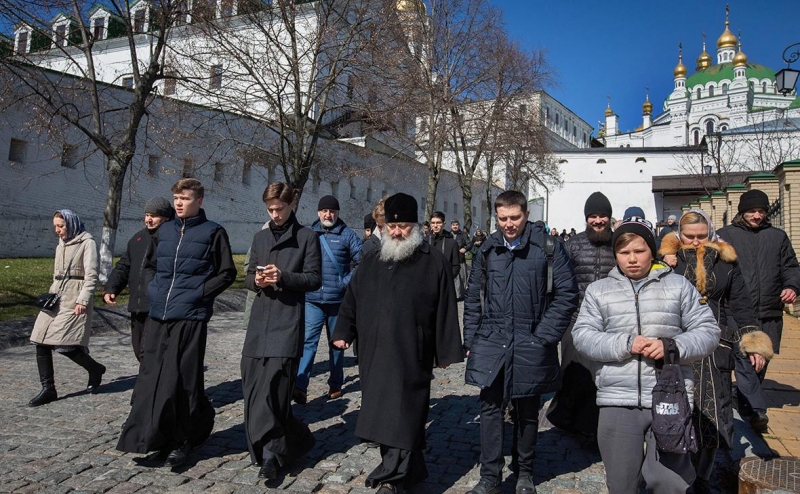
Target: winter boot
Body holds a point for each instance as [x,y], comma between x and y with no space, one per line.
[94,369]
[44,361]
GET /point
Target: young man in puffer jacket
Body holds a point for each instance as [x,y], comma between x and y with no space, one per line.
[620,326]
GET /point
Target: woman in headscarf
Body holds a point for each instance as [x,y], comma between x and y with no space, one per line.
[66,328]
[696,252]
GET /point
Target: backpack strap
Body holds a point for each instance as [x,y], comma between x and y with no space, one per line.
[324,242]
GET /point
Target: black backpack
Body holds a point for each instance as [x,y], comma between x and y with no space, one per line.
[672,417]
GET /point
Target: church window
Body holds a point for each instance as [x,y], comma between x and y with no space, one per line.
[127,82]
[216,77]
[696,137]
[138,21]
[523,111]
[556,118]
[99,28]
[724,89]
[763,87]
[711,91]
[709,127]
[247,172]
[22,43]
[61,35]
[640,159]
[601,161]
[698,93]
[723,128]
[170,83]
[226,8]
[17,150]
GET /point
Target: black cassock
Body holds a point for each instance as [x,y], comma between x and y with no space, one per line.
[404,320]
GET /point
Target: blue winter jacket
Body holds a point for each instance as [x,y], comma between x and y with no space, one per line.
[346,247]
[517,326]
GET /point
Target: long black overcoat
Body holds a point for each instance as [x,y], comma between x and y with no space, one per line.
[277,317]
[404,319]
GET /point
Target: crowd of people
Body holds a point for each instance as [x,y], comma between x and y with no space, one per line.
[621,303]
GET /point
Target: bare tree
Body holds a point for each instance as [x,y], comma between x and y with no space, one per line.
[55,69]
[291,65]
[502,122]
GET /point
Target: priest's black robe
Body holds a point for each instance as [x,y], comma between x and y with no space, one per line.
[404,319]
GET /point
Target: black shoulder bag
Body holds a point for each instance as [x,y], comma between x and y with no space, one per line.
[49,301]
[672,417]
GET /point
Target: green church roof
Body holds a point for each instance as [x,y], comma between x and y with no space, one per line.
[723,71]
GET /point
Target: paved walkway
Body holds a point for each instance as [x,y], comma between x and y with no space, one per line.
[783,393]
[69,445]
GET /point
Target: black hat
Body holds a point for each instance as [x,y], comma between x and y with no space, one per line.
[638,226]
[369,222]
[328,202]
[400,208]
[159,206]
[753,199]
[597,203]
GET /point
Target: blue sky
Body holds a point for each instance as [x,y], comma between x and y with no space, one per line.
[618,47]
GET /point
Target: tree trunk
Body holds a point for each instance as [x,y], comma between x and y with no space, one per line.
[433,184]
[116,180]
[466,195]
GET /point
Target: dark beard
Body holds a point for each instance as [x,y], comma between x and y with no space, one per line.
[599,238]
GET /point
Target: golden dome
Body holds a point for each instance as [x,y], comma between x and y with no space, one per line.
[410,6]
[680,69]
[609,112]
[740,59]
[727,39]
[647,107]
[704,61]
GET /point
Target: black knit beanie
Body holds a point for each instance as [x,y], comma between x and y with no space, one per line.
[597,203]
[640,227]
[753,199]
[328,202]
[369,222]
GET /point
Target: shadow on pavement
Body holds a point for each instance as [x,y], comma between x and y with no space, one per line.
[118,385]
[226,393]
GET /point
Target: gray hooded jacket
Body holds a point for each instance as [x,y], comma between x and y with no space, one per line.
[614,313]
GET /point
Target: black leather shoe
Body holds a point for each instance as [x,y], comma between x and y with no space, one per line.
[45,396]
[269,469]
[299,396]
[177,457]
[486,486]
[525,486]
[95,378]
[759,421]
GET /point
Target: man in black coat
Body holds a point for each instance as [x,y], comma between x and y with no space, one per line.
[130,270]
[771,272]
[519,303]
[400,308]
[443,241]
[464,244]
[592,257]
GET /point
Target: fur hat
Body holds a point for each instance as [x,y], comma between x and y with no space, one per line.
[638,226]
[597,203]
[401,208]
[753,199]
[328,202]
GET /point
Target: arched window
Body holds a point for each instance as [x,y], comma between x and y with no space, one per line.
[711,91]
[696,137]
[763,87]
[601,161]
[723,128]
[698,93]
[709,127]
[724,89]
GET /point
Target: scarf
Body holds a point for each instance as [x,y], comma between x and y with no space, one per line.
[73,222]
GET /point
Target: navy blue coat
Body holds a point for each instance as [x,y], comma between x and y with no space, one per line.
[193,264]
[346,247]
[518,325]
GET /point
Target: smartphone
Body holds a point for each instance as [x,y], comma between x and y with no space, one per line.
[260,268]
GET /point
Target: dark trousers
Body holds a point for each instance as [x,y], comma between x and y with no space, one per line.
[629,452]
[749,393]
[398,467]
[774,328]
[171,407]
[526,424]
[138,320]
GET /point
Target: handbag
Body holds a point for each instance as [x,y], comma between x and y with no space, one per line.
[672,418]
[47,301]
